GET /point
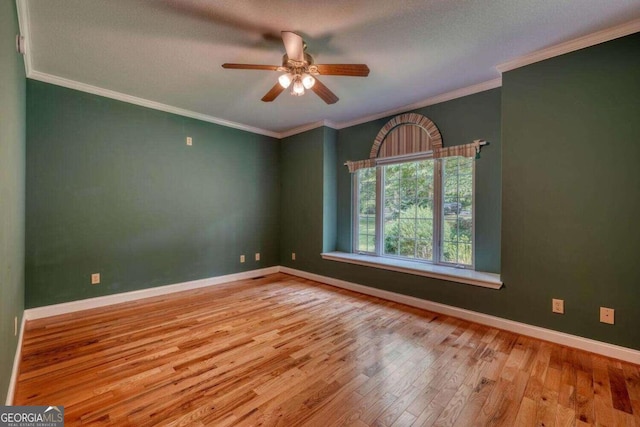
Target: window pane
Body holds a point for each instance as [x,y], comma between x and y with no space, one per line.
[372,225]
[424,209]
[408,228]
[424,230]
[371,243]
[408,214]
[457,210]
[366,210]
[465,229]
[407,248]
[449,251]
[464,253]
[424,249]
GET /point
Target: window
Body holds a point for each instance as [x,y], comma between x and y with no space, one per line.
[367,210]
[457,211]
[420,210]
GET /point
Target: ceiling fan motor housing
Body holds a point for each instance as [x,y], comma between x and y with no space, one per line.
[299,68]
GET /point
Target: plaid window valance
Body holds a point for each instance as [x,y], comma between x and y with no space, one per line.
[408,134]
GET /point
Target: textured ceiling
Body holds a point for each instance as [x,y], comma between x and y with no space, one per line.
[171,51]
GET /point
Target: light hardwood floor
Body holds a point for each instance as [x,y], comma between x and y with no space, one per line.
[281,350]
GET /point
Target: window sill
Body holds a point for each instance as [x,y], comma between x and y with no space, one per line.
[469,277]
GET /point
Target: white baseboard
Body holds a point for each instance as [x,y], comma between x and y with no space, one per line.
[85,304]
[593,346]
[598,347]
[16,364]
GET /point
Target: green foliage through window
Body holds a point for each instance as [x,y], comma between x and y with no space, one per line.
[367,210]
[408,210]
[409,223]
[457,234]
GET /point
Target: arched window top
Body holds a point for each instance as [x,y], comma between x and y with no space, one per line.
[406,134]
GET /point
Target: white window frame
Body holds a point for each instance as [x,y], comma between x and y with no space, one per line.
[438,220]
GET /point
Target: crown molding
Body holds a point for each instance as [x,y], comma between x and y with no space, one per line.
[83,87]
[303,128]
[447,96]
[592,39]
[25,31]
[443,97]
[73,84]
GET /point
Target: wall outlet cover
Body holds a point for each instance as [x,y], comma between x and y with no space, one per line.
[557,306]
[95,278]
[607,315]
[241,258]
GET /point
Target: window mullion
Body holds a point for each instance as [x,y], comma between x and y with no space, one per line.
[379,208]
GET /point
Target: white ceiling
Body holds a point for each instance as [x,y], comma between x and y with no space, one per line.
[171,51]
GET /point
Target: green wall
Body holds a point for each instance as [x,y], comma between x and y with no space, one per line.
[329,190]
[302,211]
[308,204]
[113,188]
[12,188]
[571,190]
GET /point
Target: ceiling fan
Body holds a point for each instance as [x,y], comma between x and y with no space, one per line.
[300,71]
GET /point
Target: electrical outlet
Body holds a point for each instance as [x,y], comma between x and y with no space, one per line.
[293,256]
[258,256]
[95,278]
[189,141]
[241,258]
[607,315]
[557,306]
[15,326]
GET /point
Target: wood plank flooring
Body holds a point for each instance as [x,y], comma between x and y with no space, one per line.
[281,350]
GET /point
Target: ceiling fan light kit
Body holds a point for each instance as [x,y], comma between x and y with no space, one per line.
[285,80]
[300,71]
[308,81]
[298,88]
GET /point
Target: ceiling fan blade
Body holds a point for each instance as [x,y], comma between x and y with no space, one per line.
[355,70]
[276,90]
[323,92]
[294,46]
[251,67]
